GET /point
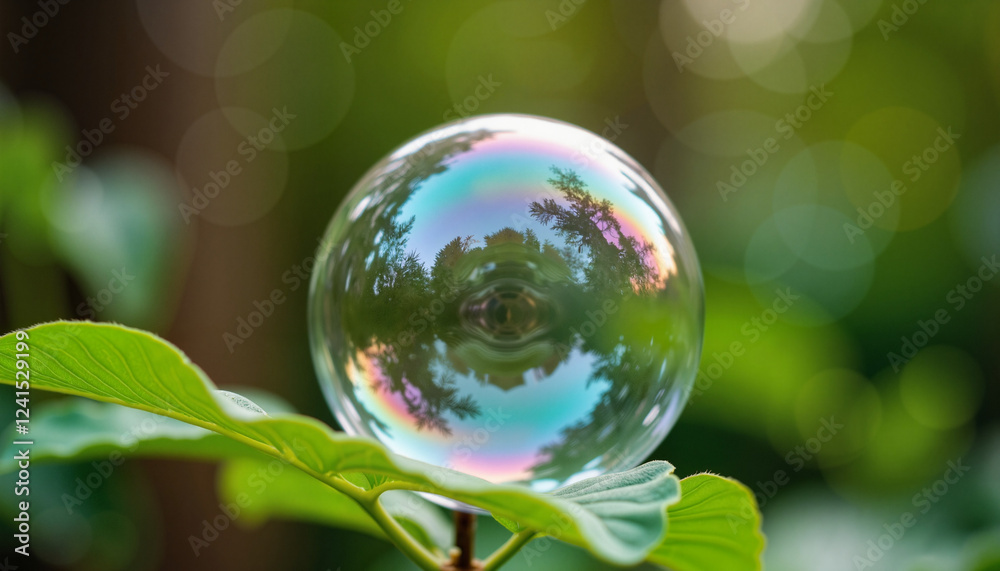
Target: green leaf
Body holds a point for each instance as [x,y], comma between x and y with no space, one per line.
[137,369]
[716,525]
[265,490]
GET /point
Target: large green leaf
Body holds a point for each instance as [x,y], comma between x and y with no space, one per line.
[137,369]
[716,525]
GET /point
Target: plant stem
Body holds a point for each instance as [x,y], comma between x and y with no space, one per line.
[508,549]
[465,539]
[400,538]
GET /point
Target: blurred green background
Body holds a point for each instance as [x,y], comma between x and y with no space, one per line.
[836,161]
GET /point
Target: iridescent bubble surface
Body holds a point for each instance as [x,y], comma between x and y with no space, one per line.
[508,296]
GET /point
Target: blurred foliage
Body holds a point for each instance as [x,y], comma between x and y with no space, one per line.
[109,226]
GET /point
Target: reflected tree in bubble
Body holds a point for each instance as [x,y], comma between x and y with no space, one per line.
[616,262]
[394,286]
[619,273]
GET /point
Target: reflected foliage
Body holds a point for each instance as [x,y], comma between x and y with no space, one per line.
[420,322]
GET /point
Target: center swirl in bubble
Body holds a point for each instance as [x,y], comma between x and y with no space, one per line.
[507,312]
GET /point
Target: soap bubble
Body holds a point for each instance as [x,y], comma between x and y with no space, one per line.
[511,297]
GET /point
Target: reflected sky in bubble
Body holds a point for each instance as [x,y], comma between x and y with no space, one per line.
[511,297]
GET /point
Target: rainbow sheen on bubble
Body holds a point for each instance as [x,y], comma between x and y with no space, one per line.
[511,297]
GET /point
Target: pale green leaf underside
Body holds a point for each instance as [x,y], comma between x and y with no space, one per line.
[627,505]
[136,369]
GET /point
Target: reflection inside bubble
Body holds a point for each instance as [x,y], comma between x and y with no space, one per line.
[498,298]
